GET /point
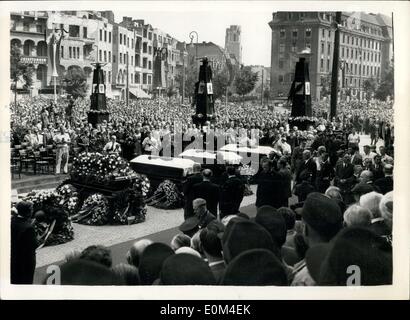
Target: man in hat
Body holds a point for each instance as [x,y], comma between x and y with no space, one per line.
[322,219]
[208,191]
[23,245]
[202,213]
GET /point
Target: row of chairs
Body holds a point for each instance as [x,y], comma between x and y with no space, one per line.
[37,160]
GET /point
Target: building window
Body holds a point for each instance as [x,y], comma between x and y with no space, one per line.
[149,49]
[343,52]
[144,47]
[295,34]
[149,65]
[322,48]
[351,53]
[62,52]
[328,49]
[105,56]
[149,79]
[282,34]
[150,36]
[280,79]
[132,60]
[137,60]
[100,55]
[74,31]
[308,32]
[323,33]
[120,57]
[105,35]
[113,58]
[39,28]
[293,49]
[137,77]
[109,56]
[132,43]
[109,37]
[128,42]
[109,76]
[78,52]
[290,15]
[328,64]
[145,33]
[101,39]
[144,62]
[70,54]
[280,64]
[26,26]
[321,63]
[329,33]
[120,38]
[281,48]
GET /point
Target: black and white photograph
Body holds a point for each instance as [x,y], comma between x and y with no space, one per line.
[204,144]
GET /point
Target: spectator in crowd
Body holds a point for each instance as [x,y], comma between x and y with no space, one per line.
[354,246]
[195,178]
[371,201]
[231,193]
[99,254]
[112,146]
[180,240]
[287,179]
[385,183]
[208,191]
[367,153]
[23,245]
[386,209]
[323,219]
[202,213]
[135,252]
[271,186]
[212,249]
[307,167]
[353,139]
[151,262]
[257,267]
[127,273]
[304,188]
[357,216]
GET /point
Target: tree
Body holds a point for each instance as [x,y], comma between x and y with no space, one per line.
[76,83]
[369,86]
[386,87]
[245,81]
[19,70]
[220,83]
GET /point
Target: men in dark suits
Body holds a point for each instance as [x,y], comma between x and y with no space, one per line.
[297,156]
[195,178]
[308,165]
[232,192]
[385,184]
[287,179]
[344,174]
[356,156]
[23,245]
[208,191]
[377,168]
[325,173]
[271,186]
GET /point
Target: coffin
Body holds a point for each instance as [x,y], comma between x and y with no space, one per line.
[158,169]
[208,157]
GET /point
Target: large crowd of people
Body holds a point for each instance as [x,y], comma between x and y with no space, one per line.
[342,216]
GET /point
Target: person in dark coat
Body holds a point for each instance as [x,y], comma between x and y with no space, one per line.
[208,191]
[385,184]
[377,168]
[271,186]
[302,190]
[23,245]
[231,194]
[344,174]
[325,174]
[287,179]
[308,165]
[195,178]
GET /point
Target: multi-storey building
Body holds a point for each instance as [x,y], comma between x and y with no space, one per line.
[365,49]
[28,32]
[233,41]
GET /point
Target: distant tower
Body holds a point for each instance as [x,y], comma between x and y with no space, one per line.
[233,42]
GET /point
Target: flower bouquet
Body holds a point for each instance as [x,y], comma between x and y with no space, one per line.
[167,196]
[52,222]
[247,172]
[93,211]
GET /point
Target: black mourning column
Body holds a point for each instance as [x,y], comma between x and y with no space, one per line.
[98,110]
[299,92]
[204,101]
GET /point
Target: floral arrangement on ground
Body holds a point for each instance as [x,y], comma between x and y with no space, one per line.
[166,196]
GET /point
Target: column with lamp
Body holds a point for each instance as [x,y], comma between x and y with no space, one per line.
[158,58]
[58,36]
[336,26]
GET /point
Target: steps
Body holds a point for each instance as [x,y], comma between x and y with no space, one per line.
[29,183]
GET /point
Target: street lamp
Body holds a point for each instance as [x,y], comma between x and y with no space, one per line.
[192,34]
[57,40]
